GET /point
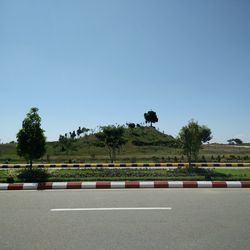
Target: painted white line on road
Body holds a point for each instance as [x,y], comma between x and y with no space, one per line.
[108,209]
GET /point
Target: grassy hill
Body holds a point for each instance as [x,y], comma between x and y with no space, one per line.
[144,144]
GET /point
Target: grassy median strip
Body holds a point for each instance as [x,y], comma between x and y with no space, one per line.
[195,174]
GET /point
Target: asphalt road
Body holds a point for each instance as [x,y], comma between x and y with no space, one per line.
[199,219]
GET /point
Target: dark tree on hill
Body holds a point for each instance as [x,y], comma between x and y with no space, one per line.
[79,131]
[113,138]
[30,138]
[130,125]
[191,138]
[73,135]
[150,117]
[85,130]
[235,141]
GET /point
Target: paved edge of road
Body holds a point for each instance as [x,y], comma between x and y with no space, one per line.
[124,185]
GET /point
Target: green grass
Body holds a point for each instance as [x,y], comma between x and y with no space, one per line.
[137,174]
[144,145]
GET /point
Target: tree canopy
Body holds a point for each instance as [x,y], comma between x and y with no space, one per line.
[234,141]
[150,117]
[30,138]
[113,138]
[191,138]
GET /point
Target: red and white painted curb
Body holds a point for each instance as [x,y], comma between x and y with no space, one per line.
[124,184]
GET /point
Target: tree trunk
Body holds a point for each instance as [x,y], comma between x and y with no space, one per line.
[30,166]
[114,154]
[190,164]
[189,161]
[110,155]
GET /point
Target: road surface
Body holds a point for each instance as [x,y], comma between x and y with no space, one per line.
[125,219]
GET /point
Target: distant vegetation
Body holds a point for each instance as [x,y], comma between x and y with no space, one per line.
[131,143]
[235,141]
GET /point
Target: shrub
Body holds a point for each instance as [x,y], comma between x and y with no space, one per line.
[246,158]
[10,179]
[218,158]
[33,175]
[232,157]
[203,158]
[155,159]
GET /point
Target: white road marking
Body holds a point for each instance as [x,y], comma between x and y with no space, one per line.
[108,209]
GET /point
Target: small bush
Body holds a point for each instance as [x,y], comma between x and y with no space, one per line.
[232,157]
[203,158]
[246,158]
[218,158]
[33,175]
[133,160]
[155,159]
[10,179]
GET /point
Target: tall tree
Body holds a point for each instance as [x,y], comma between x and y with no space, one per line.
[150,117]
[191,138]
[113,138]
[30,138]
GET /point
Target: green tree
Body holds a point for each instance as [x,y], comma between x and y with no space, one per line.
[30,138]
[130,125]
[73,135]
[191,138]
[85,130]
[234,141]
[79,131]
[206,134]
[113,138]
[150,117]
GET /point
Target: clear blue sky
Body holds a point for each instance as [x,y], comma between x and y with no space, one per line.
[91,63]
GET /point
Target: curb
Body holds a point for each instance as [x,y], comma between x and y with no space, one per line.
[124,185]
[121,165]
